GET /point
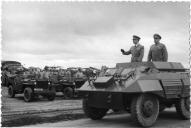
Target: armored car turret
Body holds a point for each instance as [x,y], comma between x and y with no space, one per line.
[142,88]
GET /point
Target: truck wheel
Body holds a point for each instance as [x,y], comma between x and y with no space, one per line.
[68,92]
[92,112]
[183,108]
[11,92]
[28,94]
[145,109]
[51,97]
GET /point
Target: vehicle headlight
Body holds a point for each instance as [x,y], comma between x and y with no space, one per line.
[34,83]
[48,83]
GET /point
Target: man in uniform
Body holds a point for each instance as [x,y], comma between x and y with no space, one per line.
[137,51]
[79,73]
[158,51]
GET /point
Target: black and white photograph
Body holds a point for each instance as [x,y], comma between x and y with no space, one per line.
[95,64]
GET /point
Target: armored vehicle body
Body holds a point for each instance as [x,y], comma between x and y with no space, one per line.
[31,88]
[141,88]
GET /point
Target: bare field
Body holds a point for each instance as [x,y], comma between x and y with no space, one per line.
[17,108]
[62,112]
[18,105]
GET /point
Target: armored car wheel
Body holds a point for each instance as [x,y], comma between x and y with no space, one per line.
[68,92]
[11,92]
[145,109]
[92,112]
[183,108]
[28,94]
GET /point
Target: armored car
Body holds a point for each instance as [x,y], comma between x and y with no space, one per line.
[141,88]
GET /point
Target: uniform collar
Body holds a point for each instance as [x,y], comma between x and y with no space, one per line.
[157,43]
[137,44]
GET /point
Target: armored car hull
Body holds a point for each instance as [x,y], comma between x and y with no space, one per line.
[143,89]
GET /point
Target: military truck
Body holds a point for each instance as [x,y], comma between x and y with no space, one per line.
[141,88]
[9,67]
[69,86]
[30,87]
[69,82]
[71,79]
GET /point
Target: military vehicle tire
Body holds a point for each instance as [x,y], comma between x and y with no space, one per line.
[28,94]
[68,92]
[145,109]
[183,108]
[51,97]
[92,112]
[11,91]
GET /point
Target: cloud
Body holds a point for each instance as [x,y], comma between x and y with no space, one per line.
[90,33]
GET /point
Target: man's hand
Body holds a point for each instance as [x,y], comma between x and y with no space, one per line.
[122,51]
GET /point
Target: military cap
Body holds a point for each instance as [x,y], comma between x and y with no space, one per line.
[136,37]
[157,35]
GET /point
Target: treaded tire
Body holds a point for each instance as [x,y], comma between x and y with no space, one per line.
[68,92]
[28,94]
[145,109]
[11,92]
[51,97]
[92,112]
[183,108]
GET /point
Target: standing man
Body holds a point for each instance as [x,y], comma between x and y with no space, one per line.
[158,51]
[137,51]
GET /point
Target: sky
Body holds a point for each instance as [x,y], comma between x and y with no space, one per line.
[84,34]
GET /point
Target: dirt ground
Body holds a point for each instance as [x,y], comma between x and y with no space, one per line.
[62,112]
[18,105]
[17,108]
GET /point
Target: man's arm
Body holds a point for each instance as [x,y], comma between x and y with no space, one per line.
[141,54]
[126,52]
[165,54]
[149,55]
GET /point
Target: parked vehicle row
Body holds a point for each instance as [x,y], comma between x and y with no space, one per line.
[33,82]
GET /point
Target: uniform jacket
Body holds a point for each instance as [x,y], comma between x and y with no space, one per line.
[137,53]
[158,52]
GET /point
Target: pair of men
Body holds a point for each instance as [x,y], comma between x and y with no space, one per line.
[157,52]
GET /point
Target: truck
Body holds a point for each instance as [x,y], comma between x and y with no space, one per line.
[70,82]
[30,86]
[9,67]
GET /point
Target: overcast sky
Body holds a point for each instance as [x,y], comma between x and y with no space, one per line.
[90,33]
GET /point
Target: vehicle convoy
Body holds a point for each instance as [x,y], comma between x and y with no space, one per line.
[142,88]
[31,87]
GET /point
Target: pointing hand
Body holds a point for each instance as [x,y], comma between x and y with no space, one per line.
[122,51]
